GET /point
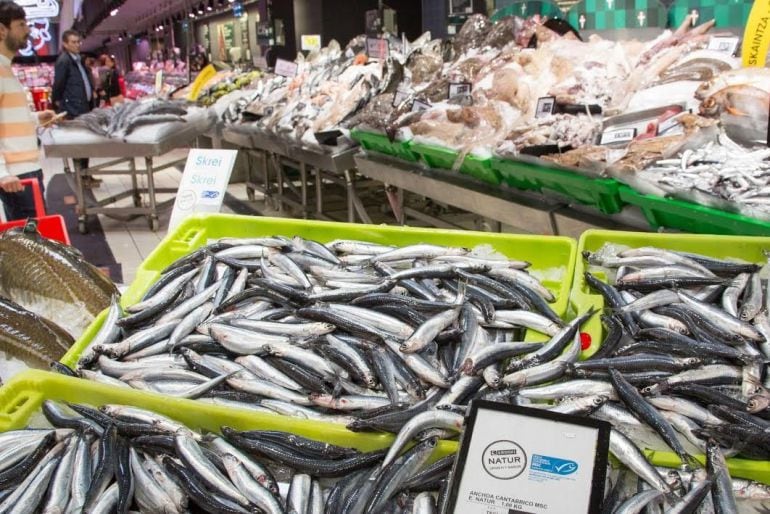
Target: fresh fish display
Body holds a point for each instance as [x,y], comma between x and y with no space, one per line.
[121,120]
[28,337]
[51,279]
[121,459]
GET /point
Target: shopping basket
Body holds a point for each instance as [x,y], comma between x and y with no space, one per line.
[50,226]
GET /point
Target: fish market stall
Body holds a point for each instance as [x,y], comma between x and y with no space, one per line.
[146,129]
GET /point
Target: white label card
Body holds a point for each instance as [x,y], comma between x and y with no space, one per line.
[311,42]
[400,97]
[286,68]
[419,106]
[670,127]
[548,464]
[260,62]
[204,182]
[545,106]
[459,89]
[726,44]
[377,48]
[610,137]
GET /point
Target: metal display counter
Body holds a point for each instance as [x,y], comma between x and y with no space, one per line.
[493,202]
[121,152]
[314,168]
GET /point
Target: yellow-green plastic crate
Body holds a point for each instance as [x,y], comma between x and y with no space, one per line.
[23,395]
[691,217]
[552,258]
[582,298]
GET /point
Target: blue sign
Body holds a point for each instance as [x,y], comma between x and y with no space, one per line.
[553,465]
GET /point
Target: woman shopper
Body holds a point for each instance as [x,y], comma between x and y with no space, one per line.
[111,81]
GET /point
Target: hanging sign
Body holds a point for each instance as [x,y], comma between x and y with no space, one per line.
[286,68]
[311,42]
[726,44]
[528,461]
[545,106]
[756,36]
[206,74]
[204,182]
[39,8]
[377,48]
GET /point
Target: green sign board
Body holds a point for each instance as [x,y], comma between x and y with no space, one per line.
[726,13]
[526,9]
[617,14]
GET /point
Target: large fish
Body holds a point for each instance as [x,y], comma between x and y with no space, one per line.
[51,279]
[30,338]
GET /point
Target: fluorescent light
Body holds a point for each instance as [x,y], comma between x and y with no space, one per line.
[113,12]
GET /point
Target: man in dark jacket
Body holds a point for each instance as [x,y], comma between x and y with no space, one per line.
[73,87]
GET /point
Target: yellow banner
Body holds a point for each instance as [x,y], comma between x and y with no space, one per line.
[756,37]
[204,76]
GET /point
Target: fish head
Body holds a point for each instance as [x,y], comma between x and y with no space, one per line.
[758,403]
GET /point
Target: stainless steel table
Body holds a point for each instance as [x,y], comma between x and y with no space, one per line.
[121,152]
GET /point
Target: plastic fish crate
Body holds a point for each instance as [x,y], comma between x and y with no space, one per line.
[22,397]
[602,193]
[552,258]
[436,156]
[582,298]
[691,217]
[380,143]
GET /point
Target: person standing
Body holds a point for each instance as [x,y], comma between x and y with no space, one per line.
[73,89]
[111,81]
[19,152]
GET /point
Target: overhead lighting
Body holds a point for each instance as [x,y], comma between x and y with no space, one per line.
[200,8]
[191,14]
[210,6]
[114,12]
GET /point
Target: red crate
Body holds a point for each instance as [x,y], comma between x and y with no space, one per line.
[50,226]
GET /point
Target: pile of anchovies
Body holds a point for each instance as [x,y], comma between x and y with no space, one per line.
[402,339]
[116,458]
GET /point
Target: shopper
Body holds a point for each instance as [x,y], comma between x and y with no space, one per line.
[73,86]
[111,81]
[19,153]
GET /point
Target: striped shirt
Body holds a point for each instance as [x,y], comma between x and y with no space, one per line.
[19,152]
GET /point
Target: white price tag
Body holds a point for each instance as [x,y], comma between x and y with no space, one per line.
[419,106]
[260,63]
[611,137]
[670,127]
[545,106]
[286,68]
[204,182]
[459,89]
[400,97]
[311,42]
[726,44]
[377,48]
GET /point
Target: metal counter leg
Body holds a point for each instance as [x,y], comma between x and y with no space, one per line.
[81,196]
[303,188]
[134,183]
[319,199]
[152,217]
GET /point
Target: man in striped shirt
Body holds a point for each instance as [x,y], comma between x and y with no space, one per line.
[19,153]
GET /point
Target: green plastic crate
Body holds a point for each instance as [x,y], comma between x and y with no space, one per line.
[481,169]
[22,397]
[602,193]
[436,156]
[691,217]
[745,248]
[380,143]
[552,258]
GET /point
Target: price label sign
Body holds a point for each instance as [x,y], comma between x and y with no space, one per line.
[286,68]
[377,48]
[311,42]
[460,89]
[726,44]
[400,97]
[545,106]
[260,62]
[528,461]
[617,136]
[670,127]
[420,106]
[204,183]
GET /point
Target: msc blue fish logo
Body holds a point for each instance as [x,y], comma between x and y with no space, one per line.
[553,465]
[210,194]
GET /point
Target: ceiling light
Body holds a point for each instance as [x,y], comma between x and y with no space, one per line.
[113,12]
[191,14]
[210,7]
[200,8]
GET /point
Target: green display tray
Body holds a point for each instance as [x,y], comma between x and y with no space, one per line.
[481,169]
[602,193]
[552,258]
[745,248]
[690,217]
[23,395]
[380,143]
[436,156]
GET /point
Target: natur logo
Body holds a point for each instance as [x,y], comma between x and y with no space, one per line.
[504,460]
